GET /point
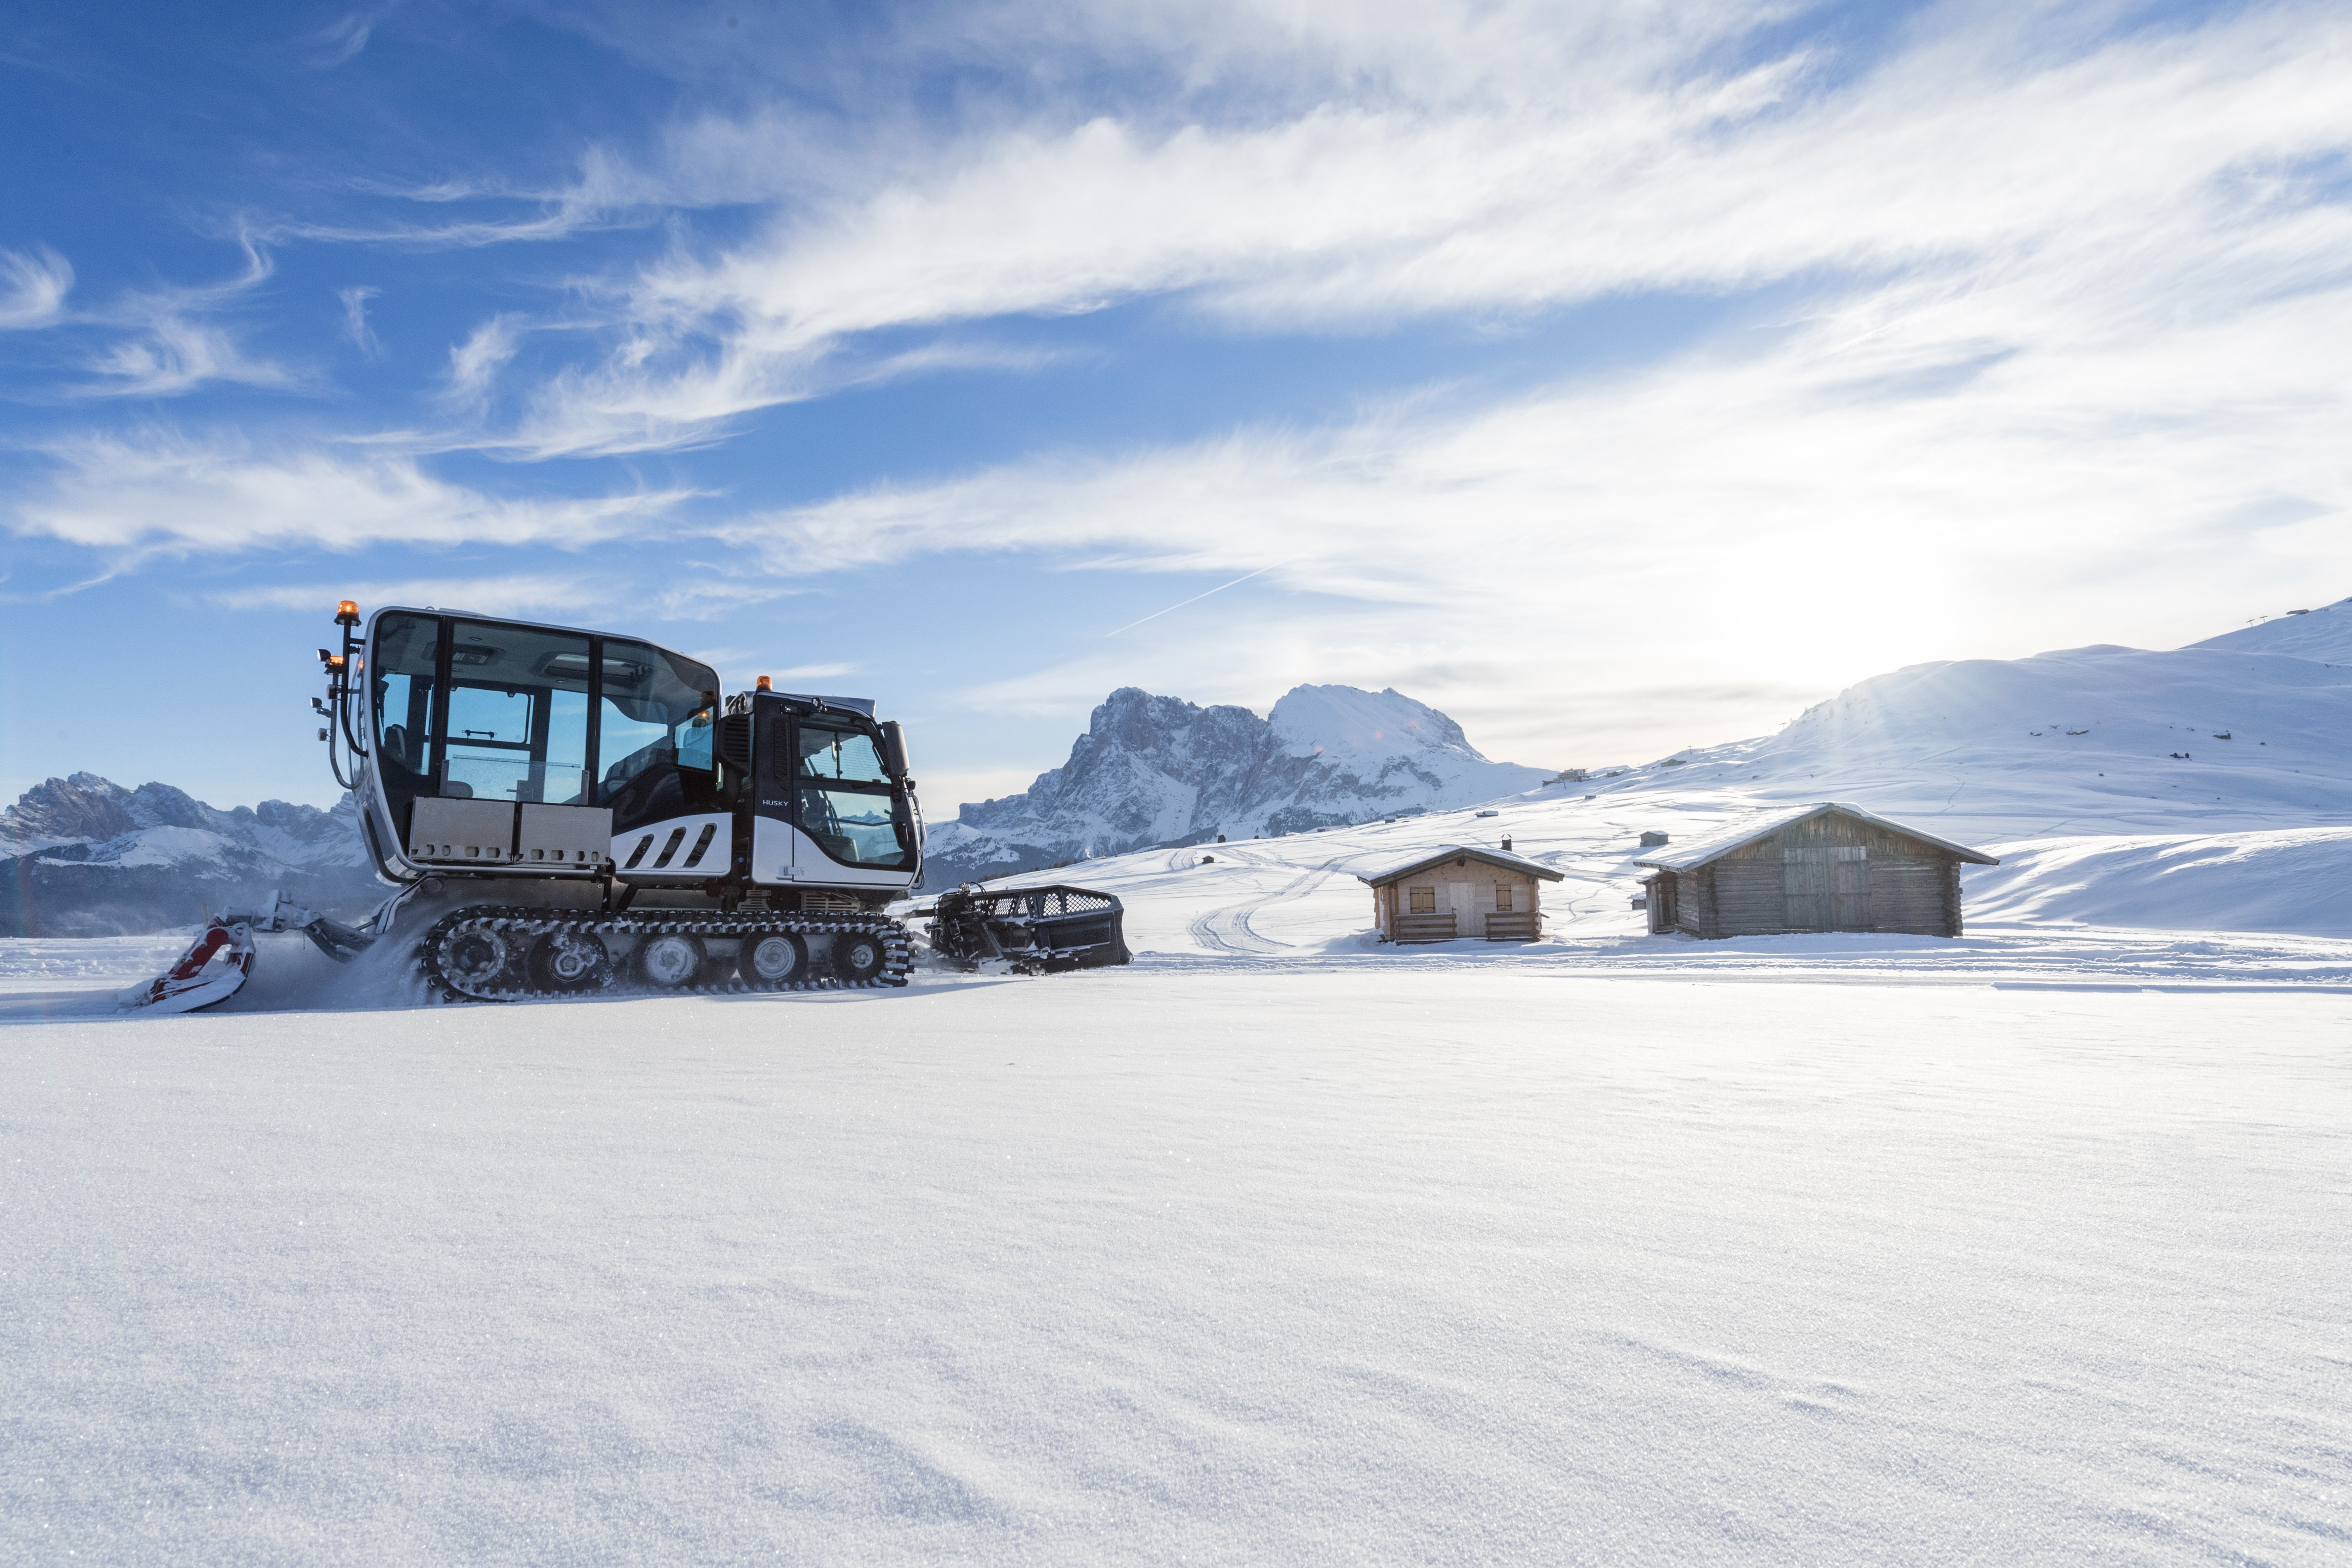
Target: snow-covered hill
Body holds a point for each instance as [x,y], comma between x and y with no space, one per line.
[85,857]
[2094,739]
[2324,633]
[1161,771]
[2204,788]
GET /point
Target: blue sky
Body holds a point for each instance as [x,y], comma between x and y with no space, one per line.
[1615,378]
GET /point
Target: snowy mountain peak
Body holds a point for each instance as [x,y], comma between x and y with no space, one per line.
[1158,770]
[86,855]
[71,810]
[1343,721]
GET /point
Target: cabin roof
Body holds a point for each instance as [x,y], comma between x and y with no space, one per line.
[1501,858]
[1742,831]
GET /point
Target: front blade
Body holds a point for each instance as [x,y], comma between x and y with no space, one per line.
[210,971]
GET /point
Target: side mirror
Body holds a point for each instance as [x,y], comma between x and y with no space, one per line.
[894,749]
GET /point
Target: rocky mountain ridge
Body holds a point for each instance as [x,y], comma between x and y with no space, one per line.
[1154,770]
[83,855]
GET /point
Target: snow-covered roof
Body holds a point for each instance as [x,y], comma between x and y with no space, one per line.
[1742,831]
[1502,857]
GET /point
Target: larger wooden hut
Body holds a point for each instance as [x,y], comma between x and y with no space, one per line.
[1830,866]
[1457,891]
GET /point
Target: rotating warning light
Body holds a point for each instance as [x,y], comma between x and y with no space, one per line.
[766,684]
[346,613]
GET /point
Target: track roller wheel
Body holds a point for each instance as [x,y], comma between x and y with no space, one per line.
[857,956]
[670,960]
[478,958]
[771,958]
[569,960]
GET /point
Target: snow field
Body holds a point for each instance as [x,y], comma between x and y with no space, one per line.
[2181,906]
[1377,1266]
[86,964]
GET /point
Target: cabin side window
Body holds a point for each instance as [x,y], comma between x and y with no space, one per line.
[657,712]
[1423,901]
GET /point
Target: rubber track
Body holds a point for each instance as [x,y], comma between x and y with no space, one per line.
[524,926]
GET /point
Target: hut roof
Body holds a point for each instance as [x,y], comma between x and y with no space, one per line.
[1742,831]
[1506,860]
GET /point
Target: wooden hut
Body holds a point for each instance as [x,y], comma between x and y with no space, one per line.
[1830,866]
[1458,891]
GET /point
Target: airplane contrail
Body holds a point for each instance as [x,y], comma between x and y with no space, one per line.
[1198,598]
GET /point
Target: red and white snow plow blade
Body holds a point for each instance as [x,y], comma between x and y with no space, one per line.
[209,972]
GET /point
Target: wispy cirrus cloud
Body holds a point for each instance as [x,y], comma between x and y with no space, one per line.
[1870,476]
[1980,148]
[543,593]
[476,362]
[340,40]
[160,493]
[171,340]
[33,287]
[355,323]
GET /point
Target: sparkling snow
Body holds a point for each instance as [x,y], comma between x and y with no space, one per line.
[1446,1266]
[1280,1244]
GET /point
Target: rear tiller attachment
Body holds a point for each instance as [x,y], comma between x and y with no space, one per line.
[1040,930]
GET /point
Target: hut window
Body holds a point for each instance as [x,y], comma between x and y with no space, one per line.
[1502,897]
[1424,901]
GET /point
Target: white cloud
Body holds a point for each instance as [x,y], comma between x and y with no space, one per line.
[476,362]
[355,321]
[175,342]
[1506,161]
[173,354]
[564,594]
[1946,466]
[162,494]
[36,284]
[341,40]
[531,594]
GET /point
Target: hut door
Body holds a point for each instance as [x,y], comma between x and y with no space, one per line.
[1469,908]
[1805,885]
[1850,886]
[1827,887]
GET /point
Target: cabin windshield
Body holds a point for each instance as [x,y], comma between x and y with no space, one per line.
[846,801]
[407,666]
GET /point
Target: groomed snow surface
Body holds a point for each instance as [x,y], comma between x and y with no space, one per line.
[1281,1246]
[1189,1264]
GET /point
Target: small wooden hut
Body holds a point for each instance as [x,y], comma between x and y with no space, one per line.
[1457,891]
[1830,866]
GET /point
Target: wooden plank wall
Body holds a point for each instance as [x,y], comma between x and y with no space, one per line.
[1901,886]
[1392,905]
[1747,893]
[1694,901]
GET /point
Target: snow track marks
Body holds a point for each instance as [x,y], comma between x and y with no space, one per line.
[1228,930]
